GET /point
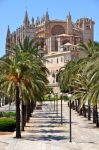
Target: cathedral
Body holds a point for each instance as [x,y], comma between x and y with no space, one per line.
[59,37]
[53,33]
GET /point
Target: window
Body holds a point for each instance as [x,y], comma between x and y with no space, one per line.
[65,49]
[54,81]
[61,59]
[87,27]
[58,29]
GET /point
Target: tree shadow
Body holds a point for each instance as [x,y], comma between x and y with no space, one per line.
[45,137]
[46,131]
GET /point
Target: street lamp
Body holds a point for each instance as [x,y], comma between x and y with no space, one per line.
[69,96]
[57,104]
[54,102]
[61,109]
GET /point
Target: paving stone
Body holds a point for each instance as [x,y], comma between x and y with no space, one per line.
[45,132]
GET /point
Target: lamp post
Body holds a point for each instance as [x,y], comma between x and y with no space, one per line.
[57,104]
[54,102]
[70,128]
[50,100]
[61,110]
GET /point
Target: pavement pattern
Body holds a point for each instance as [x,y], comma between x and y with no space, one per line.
[45,132]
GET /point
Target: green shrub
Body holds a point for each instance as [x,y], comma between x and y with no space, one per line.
[65,97]
[8,114]
[1,115]
[7,124]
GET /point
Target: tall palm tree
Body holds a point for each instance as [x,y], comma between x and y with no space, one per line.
[21,72]
[67,74]
[92,70]
[33,47]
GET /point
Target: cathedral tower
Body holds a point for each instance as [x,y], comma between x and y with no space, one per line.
[87,27]
[8,41]
[69,25]
[26,21]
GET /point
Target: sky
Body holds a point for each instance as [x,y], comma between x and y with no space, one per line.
[12,13]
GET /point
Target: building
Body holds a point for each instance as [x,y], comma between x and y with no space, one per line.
[59,37]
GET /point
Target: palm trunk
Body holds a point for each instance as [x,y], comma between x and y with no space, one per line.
[23,116]
[27,112]
[6,100]
[73,106]
[76,105]
[18,132]
[32,106]
[89,111]
[94,114]
[80,111]
[97,124]
[84,110]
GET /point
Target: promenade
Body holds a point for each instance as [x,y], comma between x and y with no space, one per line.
[45,132]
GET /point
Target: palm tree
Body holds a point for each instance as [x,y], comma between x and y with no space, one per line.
[21,73]
[80,76]
[91,49]
[13,75]
[67,74]
[32,47]
[92,69]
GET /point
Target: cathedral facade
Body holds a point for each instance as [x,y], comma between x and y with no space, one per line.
[60,39]
[54,33]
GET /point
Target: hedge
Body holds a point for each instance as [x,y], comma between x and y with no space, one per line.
[8,114]
[7,124]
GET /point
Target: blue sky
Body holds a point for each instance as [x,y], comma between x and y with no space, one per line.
[12,13]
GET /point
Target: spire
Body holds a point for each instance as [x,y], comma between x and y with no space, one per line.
[8,40]
[37,21]
[8,31]
[47,15]
[26,21]
[69,16]
[32,21]
[69,24]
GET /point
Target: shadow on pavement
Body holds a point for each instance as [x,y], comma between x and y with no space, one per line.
[45,138]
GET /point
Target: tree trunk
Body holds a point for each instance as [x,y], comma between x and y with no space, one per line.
[97,123]
[80,111]
[27,112]
[23,116]
[6,100]
[76,105]
[18,132]
[32,106]
[73,106]
[89,111]
[84,110]
[94,113]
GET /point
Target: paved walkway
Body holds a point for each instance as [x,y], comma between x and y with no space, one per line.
[44,132]
[7,108]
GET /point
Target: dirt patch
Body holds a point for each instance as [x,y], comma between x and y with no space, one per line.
[5,133]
